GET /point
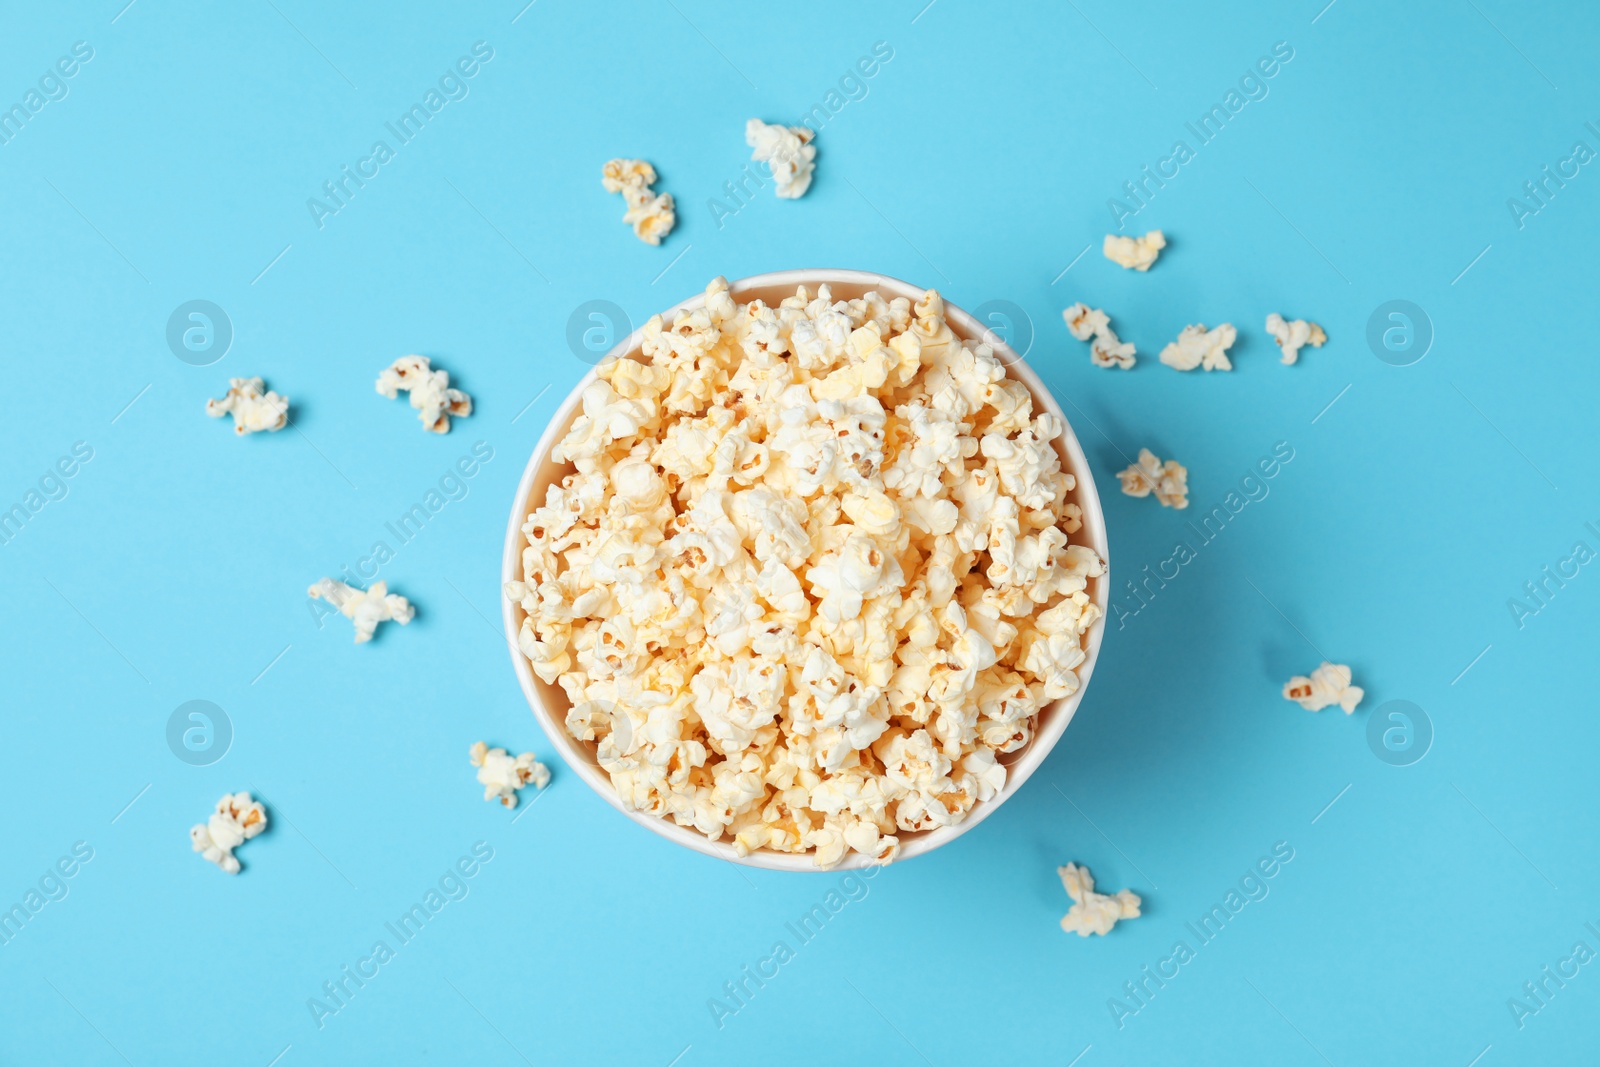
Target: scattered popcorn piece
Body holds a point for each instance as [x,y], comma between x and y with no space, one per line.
[501,775]
[1293,336]
[430,391]
[237,819]
[365,609]
[1169,481]
[808,574]
[788,153]
[1084,322]
[1091,912]
[1329,684]
[1135,253]
[252,410]
[1198,347]
[619,174]
[651,216]
[1105,350]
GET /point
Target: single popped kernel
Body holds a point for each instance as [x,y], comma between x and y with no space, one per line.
[619,174]
[652,216]
[252,410]
[1169,481]
[502,774]
[788,153]
[430,391]
[1198,347]
[1093,325]
[809,575]
[1084,322]
[364,608]
[1106,351]
[1135,253]
[1091,912]
[236,820]
[1329,684]
[1294,335]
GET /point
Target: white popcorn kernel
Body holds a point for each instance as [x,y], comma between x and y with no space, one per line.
[1135,253]
[788,153]
[1093,325]
[237,819]
[430,391]
[1294,335]
[845,577]
[364,608]
[252,410]
[1329,684]
[1053,657]
[938,447]
[865,838]
[652,216]
[828,845]
[1106,351]
[1169,481]
[1198,347]
[986,774]
[618,174]
[1091,912]
[1084,321]
[502,774]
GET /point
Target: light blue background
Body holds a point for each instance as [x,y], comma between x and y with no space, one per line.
[981,160]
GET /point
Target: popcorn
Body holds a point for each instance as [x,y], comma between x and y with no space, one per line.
[430,391]
[1198,347]
[1091,912]
[1085,322]
[652,217]
[1329,684]
[810,574]
[844,578]
[236,820]
[620,174]
[788,153]
[1135,253]
[251,409]
[1293,336]
[1105,350]
[366,609]
[1169,481]
[501,774]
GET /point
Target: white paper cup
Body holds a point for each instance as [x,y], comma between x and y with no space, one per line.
[550,704]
